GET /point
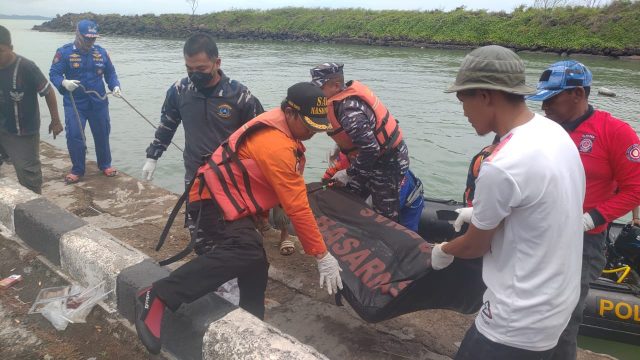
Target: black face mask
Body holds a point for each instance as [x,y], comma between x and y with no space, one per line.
[200,79]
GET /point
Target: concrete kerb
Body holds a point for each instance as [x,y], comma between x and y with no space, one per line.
[233,337]
[209,328]
[12,194]
[91,256]
[41,224]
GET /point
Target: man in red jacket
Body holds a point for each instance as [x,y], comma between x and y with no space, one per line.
[610,152]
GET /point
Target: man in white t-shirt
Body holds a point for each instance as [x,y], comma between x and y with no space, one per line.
[526,219]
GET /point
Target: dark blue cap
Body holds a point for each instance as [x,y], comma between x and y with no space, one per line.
[88,28]
[561,76]
[325,72]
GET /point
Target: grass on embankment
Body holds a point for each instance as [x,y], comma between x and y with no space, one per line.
[610,30]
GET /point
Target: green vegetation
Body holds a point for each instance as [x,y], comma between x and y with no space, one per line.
[609,30]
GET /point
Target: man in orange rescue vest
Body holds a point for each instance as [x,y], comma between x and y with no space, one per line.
[365,131]
[257,168]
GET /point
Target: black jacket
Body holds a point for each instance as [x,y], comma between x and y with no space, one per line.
[207,120]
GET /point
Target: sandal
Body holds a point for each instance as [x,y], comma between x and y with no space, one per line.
[71,179]
[110,172]
[287,247]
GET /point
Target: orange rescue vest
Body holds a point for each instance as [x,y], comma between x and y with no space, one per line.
[387,130]
[238,185]
[474,171]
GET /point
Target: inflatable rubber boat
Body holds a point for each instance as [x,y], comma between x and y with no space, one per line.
[612,307]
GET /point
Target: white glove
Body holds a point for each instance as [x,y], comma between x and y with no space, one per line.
[440,259]
[463,217]
[587,222]
[330,273]
[116,91]
[342,177]
[70,85]
[148,169]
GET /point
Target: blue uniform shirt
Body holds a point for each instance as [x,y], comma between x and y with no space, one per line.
[90,68]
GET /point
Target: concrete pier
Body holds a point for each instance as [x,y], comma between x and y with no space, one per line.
[107,228]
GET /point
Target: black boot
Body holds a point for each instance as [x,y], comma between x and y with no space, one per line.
[149,315]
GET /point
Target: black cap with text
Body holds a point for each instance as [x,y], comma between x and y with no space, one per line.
[311,103]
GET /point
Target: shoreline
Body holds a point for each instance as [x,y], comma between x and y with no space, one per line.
[563,31]
[366,42]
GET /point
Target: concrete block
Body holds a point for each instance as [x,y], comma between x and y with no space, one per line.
[41,224]
[91,255]
[133,278]
[240,335]
[12,194]
[185,329]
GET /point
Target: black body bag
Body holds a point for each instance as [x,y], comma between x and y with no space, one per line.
[386,268]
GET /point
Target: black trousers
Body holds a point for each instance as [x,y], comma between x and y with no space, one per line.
[476,346]
[593,262]
[237,252]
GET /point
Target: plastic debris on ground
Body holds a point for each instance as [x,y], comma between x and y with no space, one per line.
[10,280]
[68,304]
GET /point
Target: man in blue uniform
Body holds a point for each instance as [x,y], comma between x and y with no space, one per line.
[82,64]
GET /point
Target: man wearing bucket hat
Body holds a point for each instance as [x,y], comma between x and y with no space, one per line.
[610,152]
[369,135]
[527,205]
[266,157]
[83,64]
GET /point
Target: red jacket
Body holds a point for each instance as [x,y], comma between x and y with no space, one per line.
[610,153]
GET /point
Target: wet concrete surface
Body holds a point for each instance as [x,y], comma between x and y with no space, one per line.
[136,211]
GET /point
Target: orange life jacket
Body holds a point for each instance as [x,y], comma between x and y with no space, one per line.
[238,185]
[474,171]
[341,162]
[387,130]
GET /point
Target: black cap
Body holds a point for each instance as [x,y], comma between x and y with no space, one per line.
[311,103]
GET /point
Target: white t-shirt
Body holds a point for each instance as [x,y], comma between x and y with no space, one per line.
[531,188]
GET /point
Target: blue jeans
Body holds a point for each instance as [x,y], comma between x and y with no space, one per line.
[100,125]
[476,346]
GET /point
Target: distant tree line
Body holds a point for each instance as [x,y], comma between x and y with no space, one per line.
[550,4]
[604,29]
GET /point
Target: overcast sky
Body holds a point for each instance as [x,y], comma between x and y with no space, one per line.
[127,7]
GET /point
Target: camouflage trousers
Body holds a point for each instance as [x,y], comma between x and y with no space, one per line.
[383,182]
